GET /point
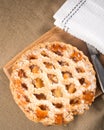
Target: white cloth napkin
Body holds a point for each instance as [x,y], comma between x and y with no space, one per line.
[83,19]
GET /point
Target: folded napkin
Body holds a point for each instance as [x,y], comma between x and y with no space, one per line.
[83,19]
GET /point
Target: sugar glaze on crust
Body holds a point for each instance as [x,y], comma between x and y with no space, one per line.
[53,82]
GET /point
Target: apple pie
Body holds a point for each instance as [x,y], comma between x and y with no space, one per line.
[52,82]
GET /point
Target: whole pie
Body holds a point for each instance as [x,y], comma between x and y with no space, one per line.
[53,82]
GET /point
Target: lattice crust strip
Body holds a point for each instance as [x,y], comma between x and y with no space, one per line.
[52,82]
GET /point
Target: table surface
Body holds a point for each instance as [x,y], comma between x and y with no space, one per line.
[21,23]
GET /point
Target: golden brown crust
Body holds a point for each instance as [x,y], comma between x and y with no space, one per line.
[52,82]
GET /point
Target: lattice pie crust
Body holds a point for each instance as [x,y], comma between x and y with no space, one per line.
[52,82]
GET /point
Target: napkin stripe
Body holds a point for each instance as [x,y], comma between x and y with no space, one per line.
[69,16]
[72,10]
